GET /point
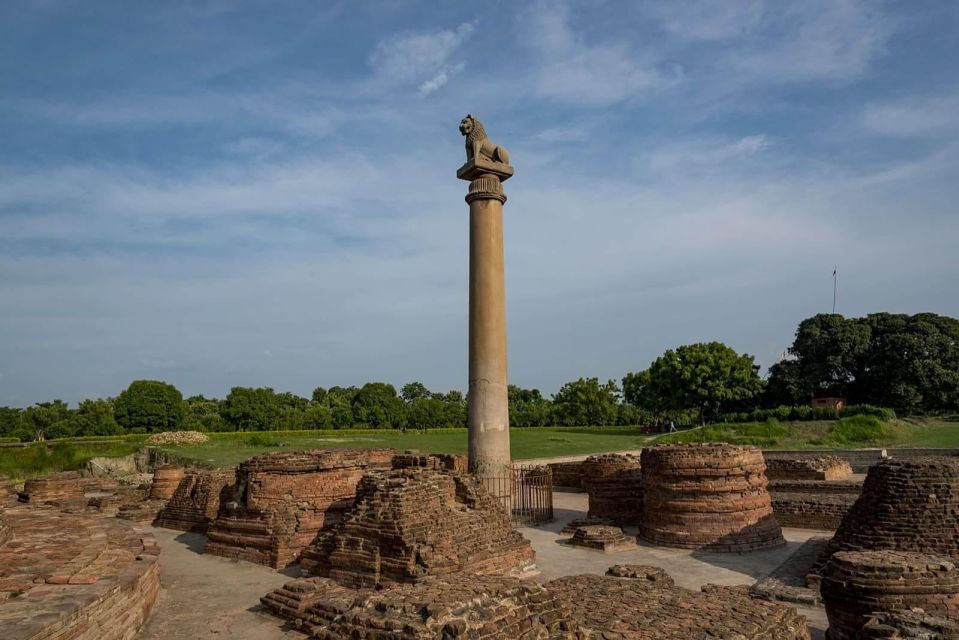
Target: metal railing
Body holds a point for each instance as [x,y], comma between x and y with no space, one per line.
[527,493]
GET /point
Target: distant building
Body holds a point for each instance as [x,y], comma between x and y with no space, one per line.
[828,402]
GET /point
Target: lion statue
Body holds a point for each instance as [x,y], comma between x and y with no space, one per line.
[478,144]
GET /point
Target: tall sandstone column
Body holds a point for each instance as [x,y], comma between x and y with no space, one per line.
[487,166]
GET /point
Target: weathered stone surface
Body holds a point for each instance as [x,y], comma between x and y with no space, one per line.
[64,488]
[408,524]
[615,486]
[787,582]
[196,501]
[824,468]
[74,577]
[620,609]
[166,479]
[567,474]
[601,537]
[282,499]
[709,496]
[5,530]
[904,506]
[857,584]
[914,625]
[573,525]
[310,604]
[441,461]
[109,504]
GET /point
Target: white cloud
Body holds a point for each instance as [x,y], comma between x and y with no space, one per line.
[421,58]
[570,70]
[926,116]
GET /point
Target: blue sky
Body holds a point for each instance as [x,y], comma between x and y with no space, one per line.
[264,193]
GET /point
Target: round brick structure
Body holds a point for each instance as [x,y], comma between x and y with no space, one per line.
[914,625]
[166,479]
[74,577]
[858,584]
[707,496]
[614,484]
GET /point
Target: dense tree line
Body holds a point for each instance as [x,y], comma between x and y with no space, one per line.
[907,363]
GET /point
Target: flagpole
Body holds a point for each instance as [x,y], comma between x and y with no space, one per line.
[835,285]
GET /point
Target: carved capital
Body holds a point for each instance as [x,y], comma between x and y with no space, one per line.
[486,187]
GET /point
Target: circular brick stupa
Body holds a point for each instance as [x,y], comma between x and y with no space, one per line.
[615,488]
[707,496]
[860,584]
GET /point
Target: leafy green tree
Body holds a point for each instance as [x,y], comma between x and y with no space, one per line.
[319,395]
[708,376]
[248,409]
[340,401]
[203,414]
[426,413]
[377,405]
[46,420]
[150,405]
[9,421]
[586,402]
[318,416]
[528,407]
[414,390]
[786,385]
[95,418]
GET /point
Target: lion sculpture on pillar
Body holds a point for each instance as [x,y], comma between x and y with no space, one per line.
[478,144]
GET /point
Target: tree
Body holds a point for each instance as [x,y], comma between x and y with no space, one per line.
[248,409]
[586,402]
[46,420]
[150,405]
[415,390]
[317,416]
[95,418]
[319,395]
[377,405]
[9,421]
[707,376]
[527,407]
[203,414]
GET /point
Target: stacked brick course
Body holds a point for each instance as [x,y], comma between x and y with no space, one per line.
[857,584]
[74,577]
[825,468]
[282,499]
[411,523]
[196,501]
[619,609]
[64,488]
[615,486]
[440,461]
[123,496]
[603,538]
[166,479]
[567,474]
[911,625]
[5,531]
[710,496]
[811,511]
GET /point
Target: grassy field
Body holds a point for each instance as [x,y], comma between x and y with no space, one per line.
[226,449]
[526,443]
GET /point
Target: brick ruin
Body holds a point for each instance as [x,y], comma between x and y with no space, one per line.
[910,505]
[911,625]
[813,504]
[630,602]
[282,499]
[567,474]
[573,525]
[166,478]
[411,523]
[66,488]
[439,461]
[825,468]
[615,487]
[5,530]
[195,503]
[74,577]
[858,584]
[602,538]
[707,496]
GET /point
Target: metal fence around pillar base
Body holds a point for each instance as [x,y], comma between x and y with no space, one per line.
[527,492]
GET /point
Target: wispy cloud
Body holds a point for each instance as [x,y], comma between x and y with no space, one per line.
[914,116]
[422,58]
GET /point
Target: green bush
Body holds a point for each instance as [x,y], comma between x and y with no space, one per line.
[825,413]
[883,413]
[761,434]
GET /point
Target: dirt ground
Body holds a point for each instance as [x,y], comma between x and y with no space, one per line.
[210,597]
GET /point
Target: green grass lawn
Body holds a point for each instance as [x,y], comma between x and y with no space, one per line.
[526,443]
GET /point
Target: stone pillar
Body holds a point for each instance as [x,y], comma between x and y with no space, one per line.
[489,454]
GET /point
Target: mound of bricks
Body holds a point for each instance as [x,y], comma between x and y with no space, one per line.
[125,495]
[166,479]
[196,501]
[603,538]
[282,499]
[614,484]
[60,489]
[5,530]
[707,496]
[567,474]
[914,625]
[622,608]
[825,468]
[904,506]
[641,572]
[442,461]
[856,584]
[573,525]
[74,577]
[309,604]
[178,437]
[408,524]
